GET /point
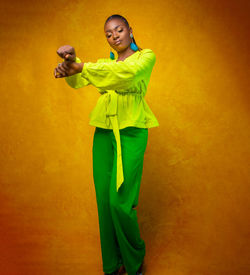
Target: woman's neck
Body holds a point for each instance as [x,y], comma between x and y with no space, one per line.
[126,53]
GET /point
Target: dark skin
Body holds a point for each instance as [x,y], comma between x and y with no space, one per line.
[114,30]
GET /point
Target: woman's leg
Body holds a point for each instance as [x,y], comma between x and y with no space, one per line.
[102,169]
[123,202]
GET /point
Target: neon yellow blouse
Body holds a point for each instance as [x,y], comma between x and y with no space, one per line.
[122,85]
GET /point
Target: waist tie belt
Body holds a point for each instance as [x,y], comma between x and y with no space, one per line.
[111,101]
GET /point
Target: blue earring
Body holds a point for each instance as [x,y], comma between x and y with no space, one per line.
[112,56]
[133,46]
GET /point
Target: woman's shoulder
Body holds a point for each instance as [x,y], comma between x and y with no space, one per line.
[147,51]
[147,54]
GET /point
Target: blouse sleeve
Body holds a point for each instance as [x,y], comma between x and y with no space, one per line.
[119,75]
[76,81]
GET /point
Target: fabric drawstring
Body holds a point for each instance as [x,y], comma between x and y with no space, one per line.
[111,116]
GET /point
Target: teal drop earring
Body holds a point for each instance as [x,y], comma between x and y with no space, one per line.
[133,46]
[112,56]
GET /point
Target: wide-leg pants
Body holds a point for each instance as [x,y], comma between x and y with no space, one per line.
[118,225]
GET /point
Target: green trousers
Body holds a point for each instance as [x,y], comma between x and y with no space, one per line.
[121,243]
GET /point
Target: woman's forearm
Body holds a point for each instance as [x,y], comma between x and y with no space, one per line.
[81,64]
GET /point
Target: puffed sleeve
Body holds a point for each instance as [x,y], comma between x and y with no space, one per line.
[76,81]
[119,75]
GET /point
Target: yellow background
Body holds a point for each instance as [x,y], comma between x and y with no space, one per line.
[193,209]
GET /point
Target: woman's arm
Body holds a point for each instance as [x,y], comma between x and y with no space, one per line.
[76,81]
[119,75]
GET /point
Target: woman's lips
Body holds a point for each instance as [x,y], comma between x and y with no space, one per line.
[117,42]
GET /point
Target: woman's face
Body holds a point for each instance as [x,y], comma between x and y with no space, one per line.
[115,30]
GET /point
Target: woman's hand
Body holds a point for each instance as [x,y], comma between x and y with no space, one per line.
[69,66]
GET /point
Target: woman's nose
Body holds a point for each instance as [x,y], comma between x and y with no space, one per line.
[115,36]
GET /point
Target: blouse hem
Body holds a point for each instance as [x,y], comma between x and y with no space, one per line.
[126,124]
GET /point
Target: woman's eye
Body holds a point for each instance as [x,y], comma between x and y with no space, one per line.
[118,31]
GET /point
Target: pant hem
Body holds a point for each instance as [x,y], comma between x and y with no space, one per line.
[110,270]
[134,271]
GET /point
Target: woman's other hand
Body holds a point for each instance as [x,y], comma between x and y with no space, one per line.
[69,66]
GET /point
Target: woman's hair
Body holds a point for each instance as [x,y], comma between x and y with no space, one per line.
[118,16]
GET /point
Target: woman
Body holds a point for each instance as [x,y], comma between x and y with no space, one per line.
[122,118]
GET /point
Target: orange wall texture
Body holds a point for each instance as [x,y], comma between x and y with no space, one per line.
[194,206]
